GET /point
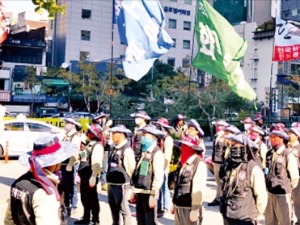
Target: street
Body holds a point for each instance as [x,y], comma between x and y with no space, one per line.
[12,170]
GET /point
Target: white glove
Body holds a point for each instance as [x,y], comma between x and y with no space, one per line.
[69,168]
[194,215]
[152,201]
[92,181]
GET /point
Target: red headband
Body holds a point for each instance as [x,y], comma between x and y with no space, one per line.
[47,150]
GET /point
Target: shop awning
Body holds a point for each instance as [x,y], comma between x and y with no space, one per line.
[55,82]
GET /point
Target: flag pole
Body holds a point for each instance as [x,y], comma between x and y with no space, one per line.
[111,59]
[192,53]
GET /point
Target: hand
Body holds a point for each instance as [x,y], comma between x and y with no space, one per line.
[69,168]
[172,210]
[132,198]
[152,201]
[194,215]
[92,181]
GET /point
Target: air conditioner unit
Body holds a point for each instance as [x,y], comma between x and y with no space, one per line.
[19,85]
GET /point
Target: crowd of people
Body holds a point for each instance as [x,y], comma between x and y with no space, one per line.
[256,172]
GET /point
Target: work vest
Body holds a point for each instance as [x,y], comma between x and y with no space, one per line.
[237,200]
[85,168]
[218,151]
[184,183]
[143,175]
[116,173]
[136,144]
[256,154]
[278,179]
[21,196]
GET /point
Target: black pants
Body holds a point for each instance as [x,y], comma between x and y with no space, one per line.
[118,202]
[67,184]
[229,221]
[89,197]
[144,214]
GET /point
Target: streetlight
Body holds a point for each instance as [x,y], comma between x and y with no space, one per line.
[65,66]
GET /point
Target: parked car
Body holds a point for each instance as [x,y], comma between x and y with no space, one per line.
[19,135]
[79,115]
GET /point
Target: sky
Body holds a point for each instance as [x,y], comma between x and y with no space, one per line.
[17,5]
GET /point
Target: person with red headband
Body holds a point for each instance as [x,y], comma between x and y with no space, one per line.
[91,158]
[34,196]
[190,183]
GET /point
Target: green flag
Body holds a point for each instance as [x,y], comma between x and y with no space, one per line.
[220,49]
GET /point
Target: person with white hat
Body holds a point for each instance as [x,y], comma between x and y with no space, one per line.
[218,157]
[294,145]
[244,196]
[248,122]
[282,177]
[121,165]
[194,130]
[256,134]
[141,119]
[164,201]
[91,158]
[101,119]
[190,183]
[70,166]
[179,126]
[148,176]
[34,196]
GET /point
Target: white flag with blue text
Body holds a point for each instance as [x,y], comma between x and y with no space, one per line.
[141,27]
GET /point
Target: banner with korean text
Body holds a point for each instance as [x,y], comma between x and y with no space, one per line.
[220,49]
[141,27]
[286,41]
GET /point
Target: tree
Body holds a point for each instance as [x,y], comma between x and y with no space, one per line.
[32,81]
[96,86]
[50,6]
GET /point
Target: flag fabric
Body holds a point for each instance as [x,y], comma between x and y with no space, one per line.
[141,28]
[220,49]
[3,30]
[286,41]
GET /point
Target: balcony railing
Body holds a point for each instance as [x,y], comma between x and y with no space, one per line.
[4,96]
[29,98]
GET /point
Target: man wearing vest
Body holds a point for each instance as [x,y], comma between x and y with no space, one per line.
[91,158]
[101,119]
[248,122]
[282,177]
[244,196]
[148,177]
[294,145]
[218,157]
[190,183]
[70,166]
[194,130]
[164,201]
[34,196]
[141,120]
[256,133]
[121,165]
[259,121]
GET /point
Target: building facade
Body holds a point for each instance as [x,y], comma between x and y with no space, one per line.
[290,10]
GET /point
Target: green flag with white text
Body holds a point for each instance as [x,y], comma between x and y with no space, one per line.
[220,49]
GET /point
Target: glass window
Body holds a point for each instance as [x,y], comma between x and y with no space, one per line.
[171,61]
[85,35]
[186,25]
[186,44]
[189,2]
[185,63]
[35,127]
[174,46]
[84,55]
[86,14]
[173,0]
[172,23]
[14,126]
